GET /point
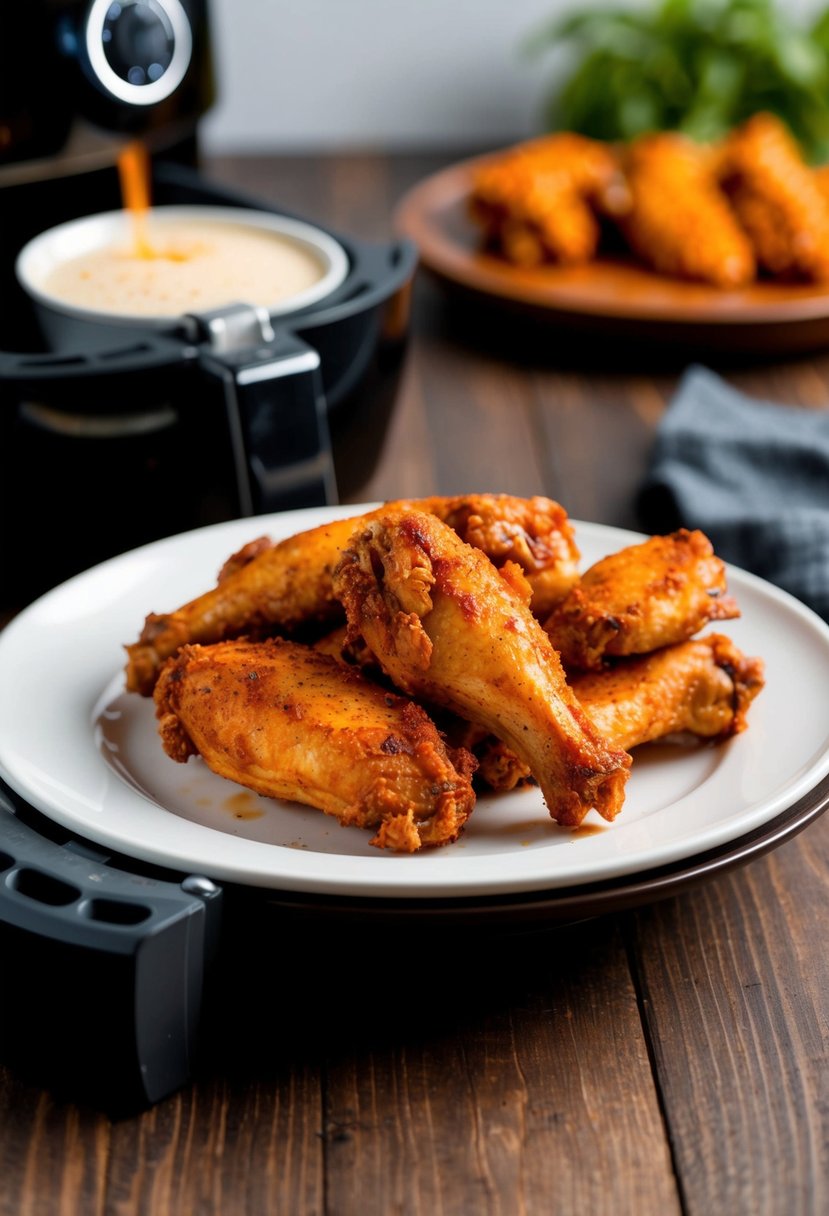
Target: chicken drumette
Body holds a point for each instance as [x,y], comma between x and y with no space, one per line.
[700,688]
[777,198]
[447,627]
[538,201]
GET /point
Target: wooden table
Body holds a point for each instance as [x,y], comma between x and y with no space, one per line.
[670,1059]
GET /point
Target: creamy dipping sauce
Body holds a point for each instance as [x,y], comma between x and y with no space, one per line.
[194,266]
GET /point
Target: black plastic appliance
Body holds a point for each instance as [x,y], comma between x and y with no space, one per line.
[119,441]
[138,434]
[133,435]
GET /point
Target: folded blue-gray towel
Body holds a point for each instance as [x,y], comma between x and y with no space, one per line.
[752,475]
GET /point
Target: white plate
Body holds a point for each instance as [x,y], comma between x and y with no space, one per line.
[87,755]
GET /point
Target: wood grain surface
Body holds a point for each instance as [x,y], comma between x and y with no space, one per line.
[673,1059]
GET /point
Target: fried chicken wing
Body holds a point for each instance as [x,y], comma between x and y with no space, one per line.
[678,220]
[289,722]
[701,687]
[498,768]
[821,176]
[270,587]
[534,532]
[645,596]
[288,584]
[446,626]
[777,199]
[536,202]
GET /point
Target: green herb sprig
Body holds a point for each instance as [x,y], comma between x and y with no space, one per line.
[697,66]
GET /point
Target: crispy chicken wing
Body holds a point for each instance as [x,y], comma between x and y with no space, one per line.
[270,587]
[498,768]
[446,626]
[777,199]
[678,221]
[645,596]
[289,722]
[534,532]
[536,201]
[821,176]
[288,584]
[701,687]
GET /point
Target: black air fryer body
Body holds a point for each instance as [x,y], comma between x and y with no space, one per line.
[75,84]
[140,67]
[125,438]
[119,440]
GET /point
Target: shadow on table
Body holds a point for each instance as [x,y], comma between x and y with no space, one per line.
[534,340]
[314,997]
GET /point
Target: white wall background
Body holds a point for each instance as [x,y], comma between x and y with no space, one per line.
[315,74]
[368,73]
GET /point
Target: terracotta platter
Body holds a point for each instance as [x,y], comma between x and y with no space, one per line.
[613,294]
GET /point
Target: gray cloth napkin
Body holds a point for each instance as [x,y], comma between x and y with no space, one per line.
[752,475]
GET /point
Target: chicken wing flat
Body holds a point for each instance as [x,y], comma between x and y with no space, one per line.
[288,722]
[281,587]
[648,595]
[536,202]
[702,687]
[679,221]
[777,199]
[446,626]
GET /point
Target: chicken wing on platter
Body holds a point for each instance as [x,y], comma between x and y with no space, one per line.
[446,626]
[288,722]
[679,222]
[648,595]
[536,202]
[267,588]
[702,687]
[777,198]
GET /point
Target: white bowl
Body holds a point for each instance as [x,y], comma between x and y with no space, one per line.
[64,321]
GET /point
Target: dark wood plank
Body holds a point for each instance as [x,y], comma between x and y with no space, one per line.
[735,981]
[53,1154]
[479,416]
[499,1076]
[222,1146]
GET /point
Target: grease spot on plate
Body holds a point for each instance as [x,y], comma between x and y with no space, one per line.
[243,806]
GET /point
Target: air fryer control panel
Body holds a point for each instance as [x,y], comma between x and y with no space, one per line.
[137,51]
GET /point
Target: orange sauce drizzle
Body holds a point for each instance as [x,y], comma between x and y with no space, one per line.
[134,173]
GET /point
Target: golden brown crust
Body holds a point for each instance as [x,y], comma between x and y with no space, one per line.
[534,533]
[289,722]
[246,554]
[646,596]
[283,587]
[777,198]
[446,627]
[537,201]
[679,222]
[701,687]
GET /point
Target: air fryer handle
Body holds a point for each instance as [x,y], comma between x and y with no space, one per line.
[278,423]
[102,970]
